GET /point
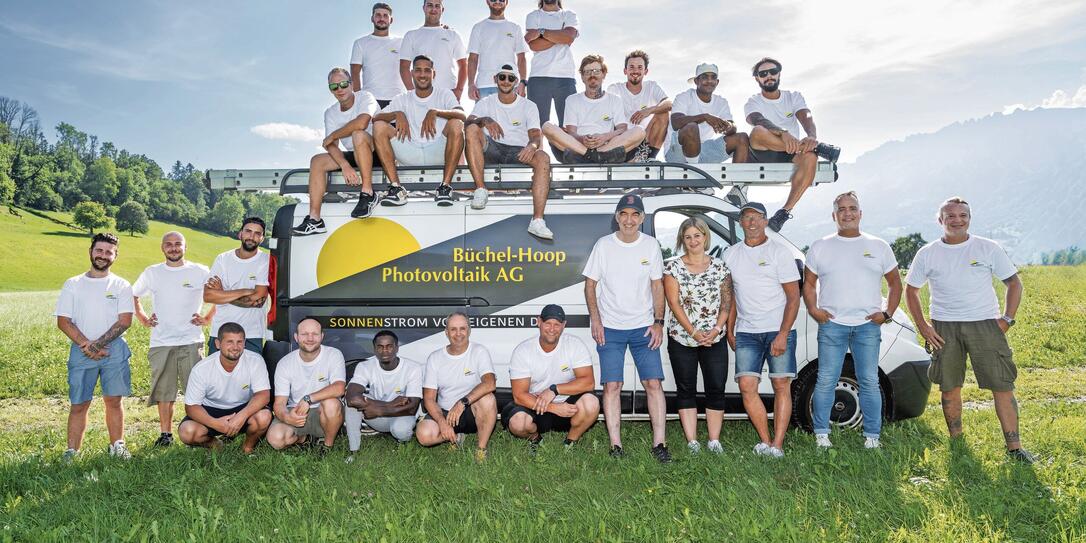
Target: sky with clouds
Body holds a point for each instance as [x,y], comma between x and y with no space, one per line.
[241,84]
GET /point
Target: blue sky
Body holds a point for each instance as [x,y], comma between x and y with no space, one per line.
[191,80]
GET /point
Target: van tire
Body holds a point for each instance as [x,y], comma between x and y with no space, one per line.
[273,352]
[846,405]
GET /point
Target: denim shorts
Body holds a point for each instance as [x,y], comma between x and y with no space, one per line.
[83,373]
[613,355]
[752,351]
[713,150]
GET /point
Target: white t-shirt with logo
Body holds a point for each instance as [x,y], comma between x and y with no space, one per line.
[176,293]
[544,369]
[650,95]
[595,116]
[94,303]
[624,273]
[455,376]
[497,42]
[781,112]
[757,276]
[211,385]
[443,45]
[960,277]
[688,103]
[404,380]
[850,272]
[335,118]
[295,378]
[237,273]
[416,108]
[379,57]
[516,119]
[557,61]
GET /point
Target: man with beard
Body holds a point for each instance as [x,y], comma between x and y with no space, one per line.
[596,128]
[646,105]
[512,136]
[176,287]
[494,42]
[239,286]
[385,393]
[428,130]
[309,383]
[704,131]
[227,394]
[550,31]
[776,117]
[441,44]
[97,304]
[375,59]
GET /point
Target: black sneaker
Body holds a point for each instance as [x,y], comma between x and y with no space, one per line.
[395,196]
[617,452]
[364,207]
[533,444]
[827,151]
[309,226]
[1022,455]
[776,222]
[614,156]
[592,156]
[443,197]
[661,454]
[569,444]
[164,440]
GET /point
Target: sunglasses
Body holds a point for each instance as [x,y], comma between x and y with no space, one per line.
[594,71]
[771,71]
[507,77]
[341,85]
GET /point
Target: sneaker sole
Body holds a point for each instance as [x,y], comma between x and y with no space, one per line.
[392,202]
[444,203]
[309,233]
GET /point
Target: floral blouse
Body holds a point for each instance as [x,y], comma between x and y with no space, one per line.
[699,295]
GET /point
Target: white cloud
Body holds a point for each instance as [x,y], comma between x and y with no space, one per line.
[287,131]
[1059,99]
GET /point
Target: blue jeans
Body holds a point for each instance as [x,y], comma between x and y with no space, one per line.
[543,90]
[752,352]
[255,345]
[613,355]
[833,340]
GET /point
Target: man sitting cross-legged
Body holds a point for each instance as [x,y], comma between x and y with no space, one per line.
[385,393]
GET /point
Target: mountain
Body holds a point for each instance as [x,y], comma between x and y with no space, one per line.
[1023,174]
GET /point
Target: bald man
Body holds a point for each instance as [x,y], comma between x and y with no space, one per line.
[176,288]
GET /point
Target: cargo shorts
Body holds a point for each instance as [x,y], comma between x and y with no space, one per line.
[170,364]
[985,344]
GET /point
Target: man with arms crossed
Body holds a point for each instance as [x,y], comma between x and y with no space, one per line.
[177,336]
[550,31]
[704,131]
[375,59]
[966,320]
[441,44]
[94,310]
[512,137]
[551,379]
[624,292]
[766,283]
[596,128]
[494,42]
[239,287]
[309,383]
[646,105]
[776,117]
[385,393]
[842,288]
[228,393]
[458,391]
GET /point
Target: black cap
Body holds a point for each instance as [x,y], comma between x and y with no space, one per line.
[631,200]
[552,311]
[756,206]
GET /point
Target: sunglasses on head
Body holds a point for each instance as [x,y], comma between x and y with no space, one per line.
[341,85]
[507,77]
[771,71]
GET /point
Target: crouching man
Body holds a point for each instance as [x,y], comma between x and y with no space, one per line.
[385,393]
[309,383]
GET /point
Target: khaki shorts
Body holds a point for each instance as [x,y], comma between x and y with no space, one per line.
[987,349]
[168,366]
[312,426]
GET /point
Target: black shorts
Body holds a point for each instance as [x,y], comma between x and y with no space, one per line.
[642,153]
[349,155]
[216,413]
[500,153]
[770,157]
[543,423]
[382,104]
[466,424]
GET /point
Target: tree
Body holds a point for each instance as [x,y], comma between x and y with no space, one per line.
[100,182]
[226,216]
[7,189]
[905,248]
[91,216]
[132,218]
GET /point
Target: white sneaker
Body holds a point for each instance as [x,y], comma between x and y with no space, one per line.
[479,198]
[715,446]
[762,449]
[823,440]
[775,452]
[872,443]
[70,456]
[538,228]
[118,450]
[694,447]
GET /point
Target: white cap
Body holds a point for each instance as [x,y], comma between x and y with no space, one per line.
[703,68]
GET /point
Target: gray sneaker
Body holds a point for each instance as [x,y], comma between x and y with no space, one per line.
[1022,455]
[69,456]
[118,450]
[479,198]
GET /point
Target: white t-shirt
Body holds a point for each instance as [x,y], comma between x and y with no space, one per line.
[455,376]
[404,380]
[176,293]
[624,273]
[757,276]
[444,46]
[237,273]
[557,61]
[546,369]
[335,118]
[416,108]
[960,277]
[781,112]
[94,303]
[595,116]
[379,57]
[688,103]
[497,42]
[650,95]
[516,119]
[850,272]
[211,385]
[295,378]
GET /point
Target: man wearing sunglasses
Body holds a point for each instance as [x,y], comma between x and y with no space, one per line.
[704,131]
[441,44]
[494,42]
[596,128]
[646,105]
[375,59]
[346,124]
[512,137]
[776,117]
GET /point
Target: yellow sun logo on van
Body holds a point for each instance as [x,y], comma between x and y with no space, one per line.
[384,239]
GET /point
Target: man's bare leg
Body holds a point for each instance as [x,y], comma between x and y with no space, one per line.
[562,140]
[165,416]
[764,140]
[654,393]
[363,156]
[319,166]
[255,428]
[612,411]
[803,172]
[454,149]
[627,140]
[77,424]
[194,434]
[541,183]
[738,146]
[382,142]
[521,425]
[114,417]
[656,132]
[690,140]
[1007,410]
[588,411]
[752,402]
[782,408]
[485,410]
[331,417]
[428,433]
[474,139]
[952,410]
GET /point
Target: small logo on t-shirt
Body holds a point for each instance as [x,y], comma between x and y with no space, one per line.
[245,387]
[763,263]
[867,254]
[607,117]
[444,39]
[789,114]
[976,264]
[322,378]
[252,277]
[644,106]
[393,51]
[186,284]
[509,34]
[396,390]
[644,262]
[564,367]
[111,296]
[467,371]
[515,123]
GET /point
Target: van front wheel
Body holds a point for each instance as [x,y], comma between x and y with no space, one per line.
[845,410]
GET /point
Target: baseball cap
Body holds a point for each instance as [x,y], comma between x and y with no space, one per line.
[552,311]
[507,69]
[756,206]
[630,200]
[704,68]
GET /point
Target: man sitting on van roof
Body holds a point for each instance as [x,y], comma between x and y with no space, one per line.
[647,105]
[309,383]
[512,137]
[704,130]
[385,392]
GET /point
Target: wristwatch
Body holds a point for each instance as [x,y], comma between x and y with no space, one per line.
[658,321]
[554,389]
[465,401]
[306,399]
[1008,319]
[887,317]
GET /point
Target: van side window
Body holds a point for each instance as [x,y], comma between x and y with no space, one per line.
[722,229]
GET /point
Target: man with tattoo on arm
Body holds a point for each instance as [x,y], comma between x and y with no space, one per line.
[966,320]
[97,304]
[239,286]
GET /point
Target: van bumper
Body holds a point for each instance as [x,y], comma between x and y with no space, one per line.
[911,387]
